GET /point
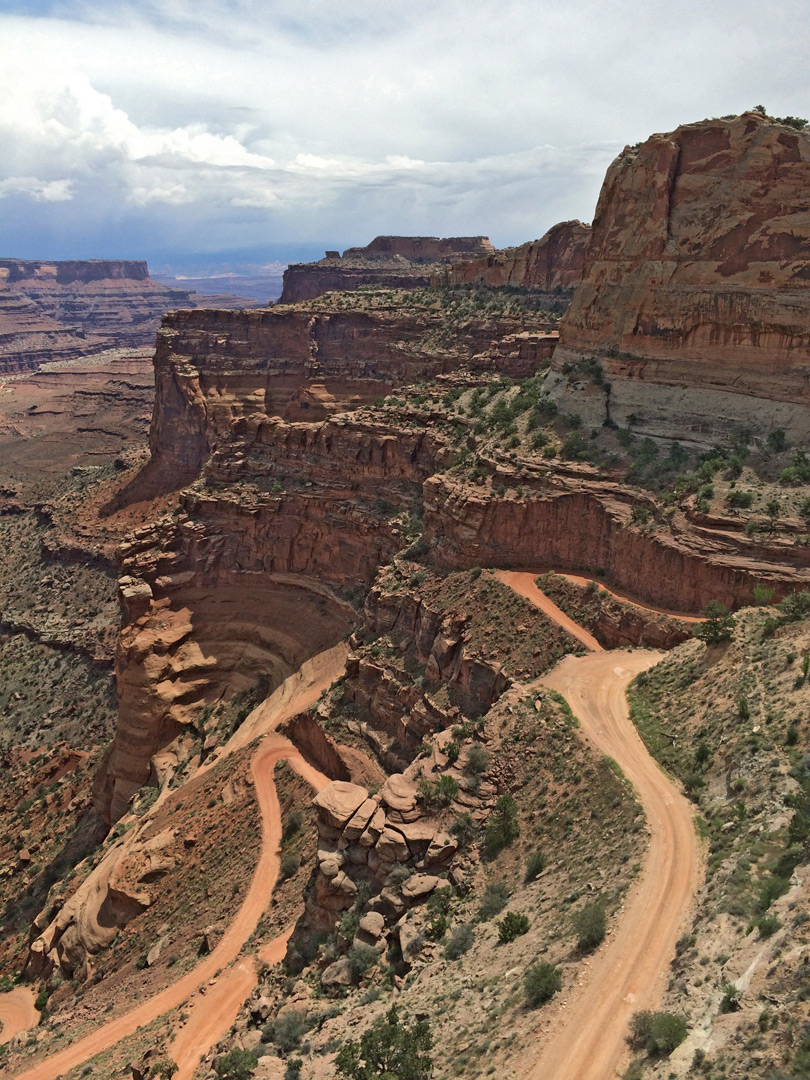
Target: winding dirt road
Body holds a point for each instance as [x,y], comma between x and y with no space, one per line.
[219,1005]
[587,1039]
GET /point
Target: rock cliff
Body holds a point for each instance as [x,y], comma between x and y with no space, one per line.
[62,310]
[695,296]
[400,262]
[555,262]
[307,362]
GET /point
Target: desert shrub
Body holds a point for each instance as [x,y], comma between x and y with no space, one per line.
[292,824]
[477,761]
[767,925]
[289,865]
[293,1068]
[438,794]
[718,625]
[388,1049]
[361,958]
[590,924]
[657,1032]
[289,1027]
[535,865]
[461,941]
[730,1001]
[236,1065]
[464,828]
[495,898]
[452,749]
[741,500]
[502,826]
[541,982]
[511,926]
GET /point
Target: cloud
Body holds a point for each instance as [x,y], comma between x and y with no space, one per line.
[191,121]
[37,190]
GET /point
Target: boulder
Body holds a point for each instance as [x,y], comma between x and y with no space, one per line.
[338,802]
[418,886]
[399,792]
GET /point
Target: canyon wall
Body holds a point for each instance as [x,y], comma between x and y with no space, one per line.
[61,310]
[305,364]
[695,296]
[553,263]
[398,262]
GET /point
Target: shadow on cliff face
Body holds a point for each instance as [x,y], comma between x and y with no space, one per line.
[151,482]
[83,839]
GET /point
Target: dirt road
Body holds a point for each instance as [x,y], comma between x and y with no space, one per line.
[272,749]
[587,1039]
[522,581]
[629,973]
[17,1012]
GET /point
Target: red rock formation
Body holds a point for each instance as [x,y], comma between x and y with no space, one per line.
[695,297]
[552,263]
[62,310]
[393,262]
[299,363]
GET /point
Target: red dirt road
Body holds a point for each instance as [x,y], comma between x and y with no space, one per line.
[522,582]
[587,1038]
[17,1012]
[272,749]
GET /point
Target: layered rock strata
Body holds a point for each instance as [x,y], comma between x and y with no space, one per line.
[553,263]
[695,298]
[62,310]
[399,262]
[304,364]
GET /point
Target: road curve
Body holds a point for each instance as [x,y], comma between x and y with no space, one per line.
[523,583]
[17,1012]
[272,749]
[587,1039]
[628,974]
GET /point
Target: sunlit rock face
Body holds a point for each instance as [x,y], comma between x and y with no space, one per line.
[695,298]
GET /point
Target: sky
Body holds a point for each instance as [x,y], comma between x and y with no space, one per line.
[205,132]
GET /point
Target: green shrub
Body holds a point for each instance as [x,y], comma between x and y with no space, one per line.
[718,626]
[742,500]
[289,1028]
[464,828]
[388,1049]
[289,866]
[535,865]
[502,826]
[495,898]
[361,958]
[657,1032]
[511,926]
[477,761]
[461,941]
[767,925]
[452,750]
[590,924]
[236,1065]
[541,982]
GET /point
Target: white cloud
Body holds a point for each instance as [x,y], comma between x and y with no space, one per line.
[38,190]
[189,120]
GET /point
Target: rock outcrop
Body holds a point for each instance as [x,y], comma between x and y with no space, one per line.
[553,263]
[399,262]
[696,292]
[62,310]
[304,364]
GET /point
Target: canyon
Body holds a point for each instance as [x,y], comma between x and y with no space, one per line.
[694,294]
[336,528]
[52,311]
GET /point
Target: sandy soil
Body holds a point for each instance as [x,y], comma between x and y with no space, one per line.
[587,1037]
[17,1012]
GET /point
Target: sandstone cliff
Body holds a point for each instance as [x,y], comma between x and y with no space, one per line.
[306,363]
[695,296]
[400,262]
[62,310]
[554,262]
